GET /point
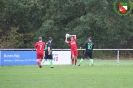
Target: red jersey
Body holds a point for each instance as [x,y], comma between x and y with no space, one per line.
[40,47]
[73,45]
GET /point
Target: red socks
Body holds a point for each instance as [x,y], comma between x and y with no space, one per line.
[72,61]
[75,61]
[39,61]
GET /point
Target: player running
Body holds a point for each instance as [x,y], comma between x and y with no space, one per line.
[39,46]
[48,52]
[73,46]
[88,51]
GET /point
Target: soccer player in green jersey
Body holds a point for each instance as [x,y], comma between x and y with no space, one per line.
[48,52]
[88,51]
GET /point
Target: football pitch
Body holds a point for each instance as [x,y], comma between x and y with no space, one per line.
[104,74]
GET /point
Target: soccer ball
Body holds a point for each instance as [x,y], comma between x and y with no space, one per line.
[67,35]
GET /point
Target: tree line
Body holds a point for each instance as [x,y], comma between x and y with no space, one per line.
[23,21]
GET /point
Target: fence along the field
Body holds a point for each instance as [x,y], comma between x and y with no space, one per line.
[113,54]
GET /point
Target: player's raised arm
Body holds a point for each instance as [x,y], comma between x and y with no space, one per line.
[66,40]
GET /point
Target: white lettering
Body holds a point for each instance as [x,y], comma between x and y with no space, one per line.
[11,55]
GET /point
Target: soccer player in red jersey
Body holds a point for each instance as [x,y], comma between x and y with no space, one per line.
[39,46]
[73,46]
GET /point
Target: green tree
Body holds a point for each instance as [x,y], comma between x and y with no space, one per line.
[55,18]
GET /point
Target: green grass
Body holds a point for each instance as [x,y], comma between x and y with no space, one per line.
[104,74]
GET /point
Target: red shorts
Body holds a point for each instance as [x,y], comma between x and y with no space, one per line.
[74,52]
[40,55]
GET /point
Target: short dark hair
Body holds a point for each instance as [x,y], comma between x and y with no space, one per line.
[50,38]
[72,36]
[90,38]
[40,38]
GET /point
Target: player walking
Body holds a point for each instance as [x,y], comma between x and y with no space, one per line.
[88,51]
[48,52]
[39,46]
[73,46]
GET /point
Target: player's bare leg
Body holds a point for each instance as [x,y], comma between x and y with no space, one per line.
[38,63]
[73,60]
[43,61]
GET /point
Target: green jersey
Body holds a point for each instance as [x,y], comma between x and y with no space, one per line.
[48,44]
[88,46]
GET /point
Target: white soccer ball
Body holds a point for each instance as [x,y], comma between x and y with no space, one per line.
[67,35]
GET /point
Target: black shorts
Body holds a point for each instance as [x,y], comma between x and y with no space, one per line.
[48,56]
[86,54]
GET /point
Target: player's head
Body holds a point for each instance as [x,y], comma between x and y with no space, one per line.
[40,38]
[72,38]
[90,39]
[50,39]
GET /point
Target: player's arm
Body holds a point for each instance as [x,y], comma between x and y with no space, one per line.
[44,49]
[66,40]
[35,46]
[73,36]
[83,45]
[48,48]
[92,46]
